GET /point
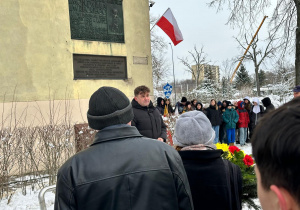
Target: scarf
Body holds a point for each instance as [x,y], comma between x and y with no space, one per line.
[198,147]
[256,109]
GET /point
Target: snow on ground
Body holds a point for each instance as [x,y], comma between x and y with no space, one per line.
[30,201]
[247,149]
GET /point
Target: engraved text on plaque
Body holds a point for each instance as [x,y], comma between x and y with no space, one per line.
[99,67]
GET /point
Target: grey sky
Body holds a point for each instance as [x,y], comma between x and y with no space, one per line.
[201,25]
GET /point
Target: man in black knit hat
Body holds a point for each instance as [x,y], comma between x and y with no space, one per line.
[296,91]
[121,169]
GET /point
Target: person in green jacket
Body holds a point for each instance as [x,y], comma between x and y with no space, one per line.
[230,117]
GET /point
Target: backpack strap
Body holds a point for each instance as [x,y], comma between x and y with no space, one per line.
[227,173]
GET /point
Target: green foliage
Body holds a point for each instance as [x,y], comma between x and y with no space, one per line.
[227,89]
[209,87]
[262,77]
[242,78]
[248,178]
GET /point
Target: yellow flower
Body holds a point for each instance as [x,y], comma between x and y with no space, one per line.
[243,152]
[224,147]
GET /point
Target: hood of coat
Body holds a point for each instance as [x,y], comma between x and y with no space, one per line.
[248,98]
[227,103]
[201,106]
[136,105]
[158,102]
[266,101]
[240,105]
[256,100]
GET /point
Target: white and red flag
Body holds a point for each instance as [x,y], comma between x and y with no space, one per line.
[169,25]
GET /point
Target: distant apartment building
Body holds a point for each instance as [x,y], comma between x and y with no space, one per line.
[203,69]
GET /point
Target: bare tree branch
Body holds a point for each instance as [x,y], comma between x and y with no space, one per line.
[284,22]
[198,58]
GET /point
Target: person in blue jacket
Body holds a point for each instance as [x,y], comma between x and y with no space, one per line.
[230,117]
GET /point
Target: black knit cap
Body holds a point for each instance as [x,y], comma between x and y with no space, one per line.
[108,106]
[296,89]
[183,99]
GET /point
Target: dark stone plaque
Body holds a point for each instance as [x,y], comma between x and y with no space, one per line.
[97,20]
[99,67]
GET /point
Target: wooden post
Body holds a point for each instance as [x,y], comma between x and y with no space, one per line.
[247,49]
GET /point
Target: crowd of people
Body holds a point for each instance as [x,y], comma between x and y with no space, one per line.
[231,121]
[128,166]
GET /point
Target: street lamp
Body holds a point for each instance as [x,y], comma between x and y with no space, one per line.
[173,71]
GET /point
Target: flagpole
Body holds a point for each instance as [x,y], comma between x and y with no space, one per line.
[173,72]
[158,20]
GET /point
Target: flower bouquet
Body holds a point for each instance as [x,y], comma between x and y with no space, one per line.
[246,164]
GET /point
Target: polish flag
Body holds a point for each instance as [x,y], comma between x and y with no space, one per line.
[169,25]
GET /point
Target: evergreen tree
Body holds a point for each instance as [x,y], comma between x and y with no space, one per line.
[208,87]
[224,87]
[242,78]
[227,89]
[262,77]
[208,81]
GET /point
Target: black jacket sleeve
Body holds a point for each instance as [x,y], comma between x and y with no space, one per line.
[163,133]
[184,194]
[64,196]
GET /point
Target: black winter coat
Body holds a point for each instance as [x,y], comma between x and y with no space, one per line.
[267,103]
[254,118]
[214,116]
[207,177]
[148,121]
[123,170]
[161,108]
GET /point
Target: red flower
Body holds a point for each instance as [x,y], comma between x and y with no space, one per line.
[232,149]
[170,137]
[248,160]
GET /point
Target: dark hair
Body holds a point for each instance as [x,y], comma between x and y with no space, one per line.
[216,105]
[167,99]
[183,99]
[200,105]
[141,90]
[276,148]
[158,102]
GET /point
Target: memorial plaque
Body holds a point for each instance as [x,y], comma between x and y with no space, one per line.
[99,67]
[97,20]
[140,60]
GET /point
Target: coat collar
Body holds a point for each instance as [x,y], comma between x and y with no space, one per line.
[136,105]
[201,154]
[115,133]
